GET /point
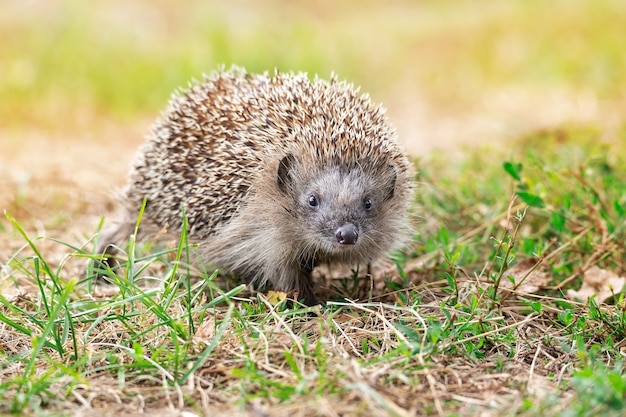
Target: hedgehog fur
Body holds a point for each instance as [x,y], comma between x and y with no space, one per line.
[276,174]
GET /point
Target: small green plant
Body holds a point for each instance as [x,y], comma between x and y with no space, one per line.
[600,390]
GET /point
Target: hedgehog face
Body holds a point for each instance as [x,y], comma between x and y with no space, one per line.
[342,213]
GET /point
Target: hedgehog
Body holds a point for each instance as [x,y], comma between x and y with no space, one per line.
[275,175]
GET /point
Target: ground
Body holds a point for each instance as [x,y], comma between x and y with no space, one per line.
[469,91]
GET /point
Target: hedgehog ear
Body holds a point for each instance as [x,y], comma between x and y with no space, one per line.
[284,177]
[390,186]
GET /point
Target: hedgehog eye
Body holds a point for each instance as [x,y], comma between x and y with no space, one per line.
[367,203]
[313,201]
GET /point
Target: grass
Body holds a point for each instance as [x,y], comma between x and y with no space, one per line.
[480,316]
[447,336]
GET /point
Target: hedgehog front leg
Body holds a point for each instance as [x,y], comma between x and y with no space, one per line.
[304,282]
[304,288]
[112,238]
[294,279]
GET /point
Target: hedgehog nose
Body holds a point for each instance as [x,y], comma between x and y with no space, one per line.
[347,234]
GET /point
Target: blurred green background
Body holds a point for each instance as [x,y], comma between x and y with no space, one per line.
[447,69]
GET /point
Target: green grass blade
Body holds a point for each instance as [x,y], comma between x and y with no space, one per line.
[209,349]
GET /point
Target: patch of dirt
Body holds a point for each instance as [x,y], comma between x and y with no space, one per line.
[496,117]
[60,185]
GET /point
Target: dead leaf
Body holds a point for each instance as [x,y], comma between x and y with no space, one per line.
[206,329]
[276,297]
[599,282]
[523,281]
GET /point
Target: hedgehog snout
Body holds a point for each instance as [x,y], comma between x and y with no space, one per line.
[347,234]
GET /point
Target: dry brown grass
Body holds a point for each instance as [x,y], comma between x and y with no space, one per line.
[525,356]
[449,77]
